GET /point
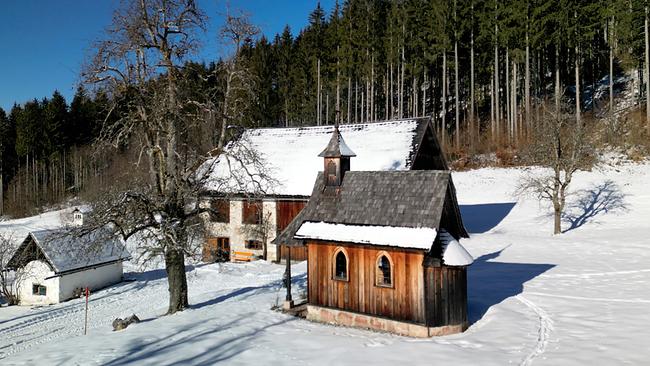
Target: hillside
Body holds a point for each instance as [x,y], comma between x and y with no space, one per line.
[534,298]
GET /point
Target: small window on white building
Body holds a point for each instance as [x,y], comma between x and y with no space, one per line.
[39,290]
[254,244]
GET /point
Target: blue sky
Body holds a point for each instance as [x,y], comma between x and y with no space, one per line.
[44,42]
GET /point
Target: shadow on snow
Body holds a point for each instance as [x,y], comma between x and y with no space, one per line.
[484,217]
[220,350]
[490,282]
[598,200]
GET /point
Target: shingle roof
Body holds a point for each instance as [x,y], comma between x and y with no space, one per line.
[399,199]
[67,252]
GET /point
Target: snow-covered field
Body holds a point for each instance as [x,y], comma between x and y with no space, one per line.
[534,298]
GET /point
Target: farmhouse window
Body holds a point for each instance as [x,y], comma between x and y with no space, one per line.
[216,250]
[340,266]
[39,290]
[220,211]
[252,212]
[384,273]
[254,244]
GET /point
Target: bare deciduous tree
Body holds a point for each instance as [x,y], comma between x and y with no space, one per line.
[141,63]
[239,81]
[9,278]
[260,231]
[560,147]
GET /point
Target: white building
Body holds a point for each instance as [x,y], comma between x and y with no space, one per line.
[291,155]
[55,265]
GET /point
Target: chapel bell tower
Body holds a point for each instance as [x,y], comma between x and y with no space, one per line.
[336,158]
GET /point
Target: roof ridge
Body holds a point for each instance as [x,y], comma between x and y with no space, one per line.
[348,125]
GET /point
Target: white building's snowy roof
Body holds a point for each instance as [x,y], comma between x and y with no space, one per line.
[453,253]
[66,251]
[401,237]
[291,154]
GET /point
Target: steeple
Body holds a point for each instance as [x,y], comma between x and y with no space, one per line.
[336,158]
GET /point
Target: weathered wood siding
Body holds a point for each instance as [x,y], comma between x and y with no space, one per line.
[286,212]
[429,155]
[446,295]
[404,301]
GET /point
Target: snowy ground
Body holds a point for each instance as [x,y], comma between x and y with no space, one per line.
[534,298]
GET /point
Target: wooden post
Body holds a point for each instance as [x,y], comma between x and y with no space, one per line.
[288,303]
[86,321]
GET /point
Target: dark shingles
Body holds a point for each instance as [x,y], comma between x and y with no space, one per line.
[384,198]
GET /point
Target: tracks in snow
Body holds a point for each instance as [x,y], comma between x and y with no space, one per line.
[545,328]
[48,323]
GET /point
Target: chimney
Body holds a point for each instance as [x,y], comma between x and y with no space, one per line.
[77,217]
[336,159]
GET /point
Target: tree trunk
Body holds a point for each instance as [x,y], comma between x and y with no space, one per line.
[456,96]
[318,104]
[444,97]
[401,92]
[557,223]
[492,102]
[611,67]
[175,267]
[527,83]
[577,69]
[385,90]
[224,120]
[338,89]
[508,96]
[327,108]
[497,105]
[647,70]
[557,77]
[372,90]
[356,100]
[424,93]
[515,122]
[473,129]
[349,98]
[391,94]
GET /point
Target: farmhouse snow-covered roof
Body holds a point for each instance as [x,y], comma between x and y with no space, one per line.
[67,252]
[291,154]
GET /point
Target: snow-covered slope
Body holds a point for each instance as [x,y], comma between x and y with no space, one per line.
[534,298]
[18,229]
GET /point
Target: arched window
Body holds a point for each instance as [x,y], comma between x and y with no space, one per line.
[331,173]
[340,265]
[384,270]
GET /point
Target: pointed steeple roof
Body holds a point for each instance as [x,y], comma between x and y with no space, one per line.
[337,147]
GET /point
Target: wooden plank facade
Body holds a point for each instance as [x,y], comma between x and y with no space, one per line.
[403,301]
[286,211]
[445,295]
[429,295]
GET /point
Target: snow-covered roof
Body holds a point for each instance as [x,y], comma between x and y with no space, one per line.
[453,253]
[66,251]
[401,237]
[291,154]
